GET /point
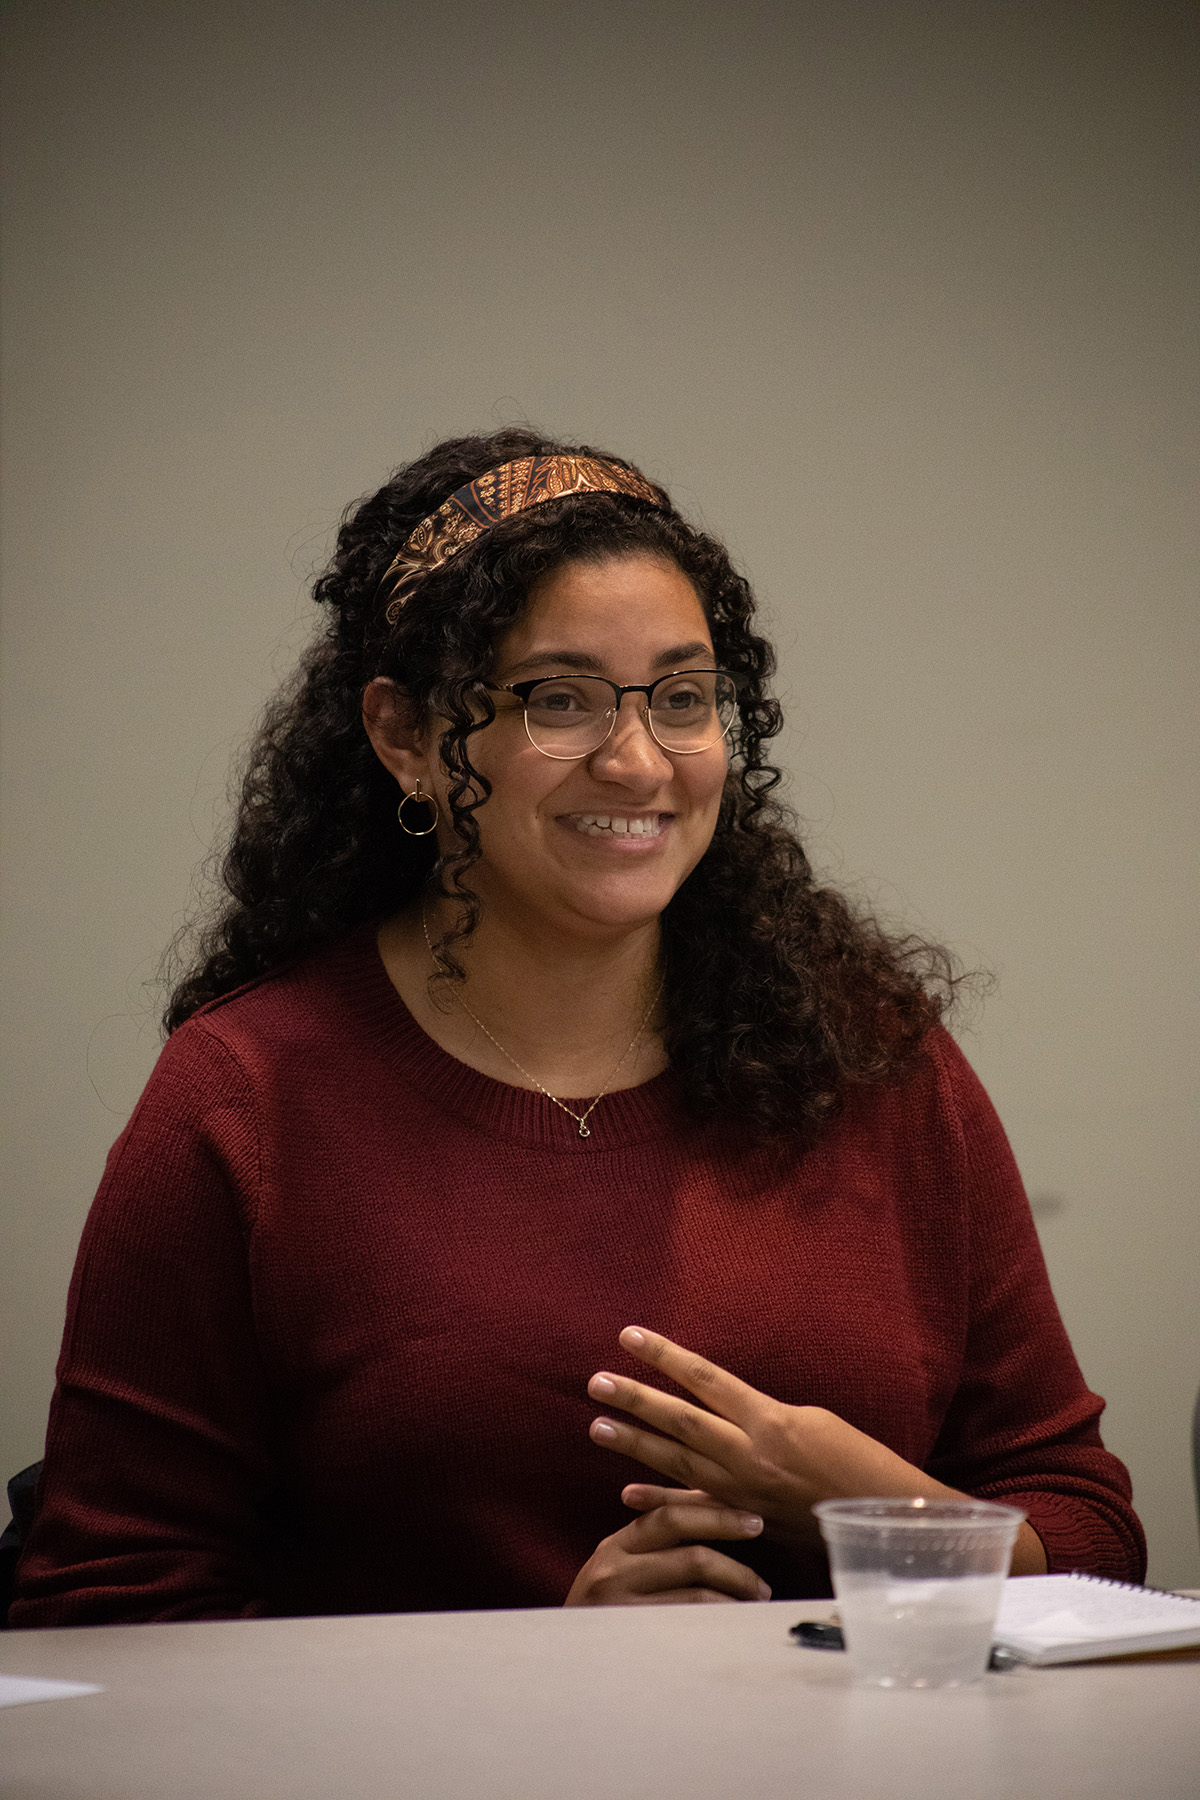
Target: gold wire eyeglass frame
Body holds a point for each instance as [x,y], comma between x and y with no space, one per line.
[521,690]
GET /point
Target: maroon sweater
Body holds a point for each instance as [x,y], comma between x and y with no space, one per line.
[339,1296]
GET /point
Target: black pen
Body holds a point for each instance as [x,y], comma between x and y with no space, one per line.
[815,1636]
[818,1637]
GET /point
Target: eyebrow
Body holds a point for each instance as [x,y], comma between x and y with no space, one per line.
[579,659]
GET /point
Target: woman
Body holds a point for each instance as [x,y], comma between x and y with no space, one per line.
[525,1019]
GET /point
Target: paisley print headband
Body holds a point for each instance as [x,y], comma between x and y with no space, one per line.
[512,488]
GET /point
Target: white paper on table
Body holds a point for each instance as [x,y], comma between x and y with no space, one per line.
[15,1690]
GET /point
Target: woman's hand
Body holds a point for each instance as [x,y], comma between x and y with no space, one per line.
[751,1452]
[659,1560]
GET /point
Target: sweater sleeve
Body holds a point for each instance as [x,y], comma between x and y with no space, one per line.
[157,1457]
[1023,1426]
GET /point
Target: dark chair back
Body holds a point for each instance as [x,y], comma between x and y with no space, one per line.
[22,1492]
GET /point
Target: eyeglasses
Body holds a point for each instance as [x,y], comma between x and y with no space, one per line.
[570,716]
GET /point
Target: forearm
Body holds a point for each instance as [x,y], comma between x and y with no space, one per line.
[888,1476]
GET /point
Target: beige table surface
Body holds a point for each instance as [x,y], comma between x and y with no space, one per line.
[639,1703]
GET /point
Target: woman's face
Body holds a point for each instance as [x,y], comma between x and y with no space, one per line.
[551,855]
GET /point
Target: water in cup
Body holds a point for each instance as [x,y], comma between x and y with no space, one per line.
[919,1633]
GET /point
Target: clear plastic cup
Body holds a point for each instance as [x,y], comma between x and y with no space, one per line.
[918,1585]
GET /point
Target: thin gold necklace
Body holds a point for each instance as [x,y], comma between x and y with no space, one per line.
[581,1119]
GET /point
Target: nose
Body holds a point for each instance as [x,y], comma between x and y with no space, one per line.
[631,754]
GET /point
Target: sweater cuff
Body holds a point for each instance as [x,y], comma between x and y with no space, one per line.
[1077,1536]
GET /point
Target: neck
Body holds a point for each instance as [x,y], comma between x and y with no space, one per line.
[565,1010]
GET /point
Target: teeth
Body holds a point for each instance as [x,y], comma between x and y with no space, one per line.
[604,825]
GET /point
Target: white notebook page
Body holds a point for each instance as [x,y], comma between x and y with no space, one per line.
[1057,1609]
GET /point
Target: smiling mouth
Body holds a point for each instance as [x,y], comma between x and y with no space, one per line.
[613,825]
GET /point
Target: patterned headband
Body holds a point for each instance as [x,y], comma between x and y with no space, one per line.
[512,488]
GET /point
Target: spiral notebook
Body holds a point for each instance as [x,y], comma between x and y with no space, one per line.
[1076,1618]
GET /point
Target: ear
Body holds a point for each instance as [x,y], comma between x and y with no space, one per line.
[398,734]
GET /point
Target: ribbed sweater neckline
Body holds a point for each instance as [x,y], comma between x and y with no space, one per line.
[624,1117]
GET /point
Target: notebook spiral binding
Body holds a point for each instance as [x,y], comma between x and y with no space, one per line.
[1124,1587]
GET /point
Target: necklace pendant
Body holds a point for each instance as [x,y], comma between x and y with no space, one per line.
[583,1129]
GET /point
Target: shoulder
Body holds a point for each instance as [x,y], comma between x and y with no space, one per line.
[937,1090]
[935,1122]
[969,1125]
[300,991]
[966,1101]
[324,995]
[239,1052]
[944,1067]
[230,1078]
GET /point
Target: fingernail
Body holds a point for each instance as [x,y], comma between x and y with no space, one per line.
[602,1384]
[751,1524]
[603,1428]
[764,1592]
[635,1338]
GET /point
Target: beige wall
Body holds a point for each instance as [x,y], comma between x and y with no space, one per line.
[894,296]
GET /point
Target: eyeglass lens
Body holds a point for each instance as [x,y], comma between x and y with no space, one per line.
[568,716]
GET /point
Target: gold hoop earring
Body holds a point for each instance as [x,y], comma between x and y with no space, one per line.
[422,800]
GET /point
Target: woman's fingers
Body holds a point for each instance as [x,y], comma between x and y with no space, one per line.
[719,1390]
[642,1496]
[675,1418]
[687,1467]
[682,1523]
[667,1556]
[676,1570]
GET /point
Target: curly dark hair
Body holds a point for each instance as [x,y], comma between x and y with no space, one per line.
[777,994]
